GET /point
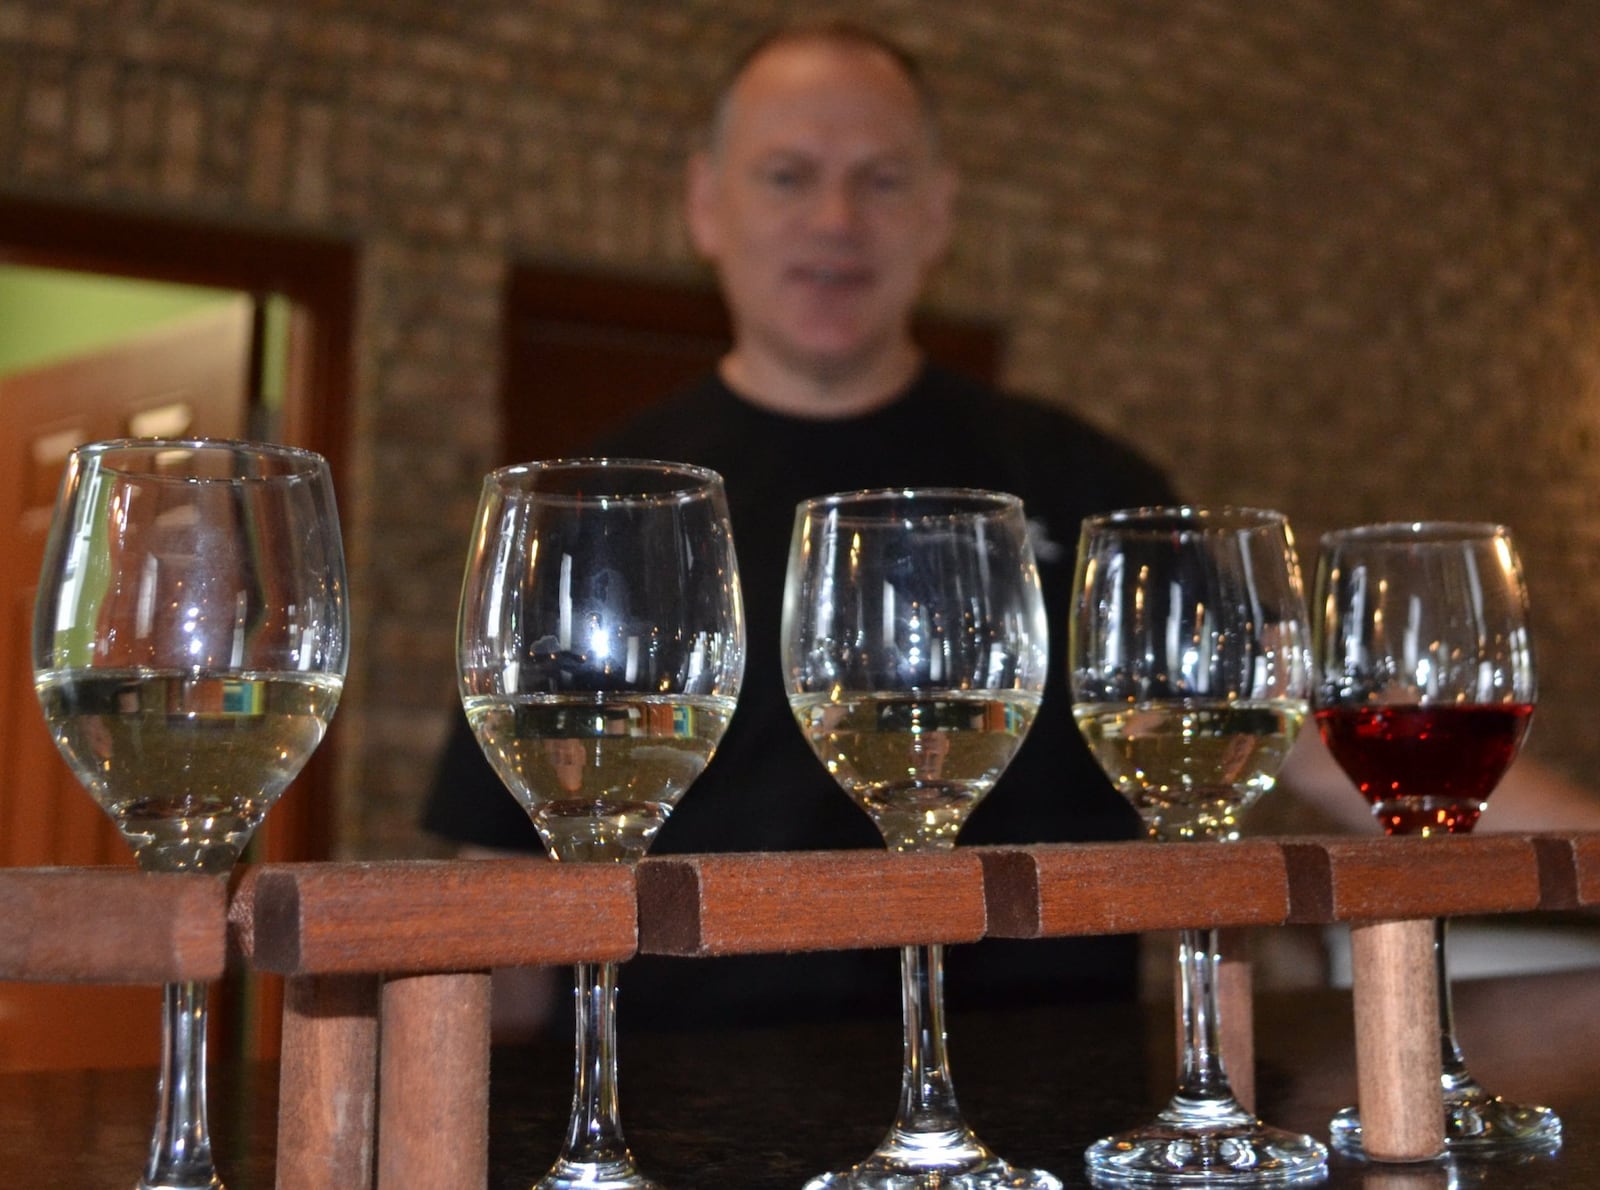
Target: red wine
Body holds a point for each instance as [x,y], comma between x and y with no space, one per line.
[1426,770]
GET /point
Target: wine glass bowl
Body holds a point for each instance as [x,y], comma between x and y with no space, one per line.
[190,642]
[915,646]
[600,649]
[1426,681]
[1425,689]
[1190,663]
[917,766]
[601,644]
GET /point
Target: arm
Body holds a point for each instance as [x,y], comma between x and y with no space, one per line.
[1531,796]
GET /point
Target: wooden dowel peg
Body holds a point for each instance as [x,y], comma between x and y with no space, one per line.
[1396,996]
[433,1083]
[1409,1177]
[328,1082]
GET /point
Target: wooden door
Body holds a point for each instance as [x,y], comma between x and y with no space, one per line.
[191,377]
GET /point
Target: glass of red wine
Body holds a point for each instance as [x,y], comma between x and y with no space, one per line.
[1424,691]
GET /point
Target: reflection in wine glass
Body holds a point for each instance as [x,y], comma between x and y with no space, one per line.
[929,751]
[1190,667]
[567,759]
[914,643]
[1454,1171]
[190,641]
[600,649]
[1425,688]
[1409,1177]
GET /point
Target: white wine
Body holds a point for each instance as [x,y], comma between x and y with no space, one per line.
[917,764]
[598,774]
[1191,768]
[186,764]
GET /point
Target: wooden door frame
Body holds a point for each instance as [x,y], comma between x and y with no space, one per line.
[317,274]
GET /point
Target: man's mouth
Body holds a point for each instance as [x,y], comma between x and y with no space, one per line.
[832,276]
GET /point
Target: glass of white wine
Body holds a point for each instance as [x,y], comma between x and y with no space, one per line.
[1190,656]
[915,648]
[600,649]
[191,633]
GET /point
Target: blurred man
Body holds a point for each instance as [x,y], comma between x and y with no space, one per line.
[823,201]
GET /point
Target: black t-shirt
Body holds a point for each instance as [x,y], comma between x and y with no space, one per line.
[764,790]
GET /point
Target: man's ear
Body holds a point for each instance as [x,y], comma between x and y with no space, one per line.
[702,200]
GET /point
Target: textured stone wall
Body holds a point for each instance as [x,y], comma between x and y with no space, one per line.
[1336,256]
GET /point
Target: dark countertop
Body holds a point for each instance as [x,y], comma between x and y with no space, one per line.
[751,1110]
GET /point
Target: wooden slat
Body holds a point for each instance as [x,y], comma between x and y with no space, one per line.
[438,916]
[241,911]
[1586,860]
[1393,879]
[1558,871]
[111,925]
[794,901]
[1113,888]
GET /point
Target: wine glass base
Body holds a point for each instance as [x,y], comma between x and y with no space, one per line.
[589,1175]
[1476,1123]
[993,1174]
[953,1160]
[1242,1153]
[211,1182]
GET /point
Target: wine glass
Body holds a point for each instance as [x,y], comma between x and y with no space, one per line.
[1424,692]
[189,646]
[1190,665]
[600,648]
[914,642]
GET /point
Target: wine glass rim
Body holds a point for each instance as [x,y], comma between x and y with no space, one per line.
[928,501]
[297,461]
[1165,518]
[1417,532]
[654,481]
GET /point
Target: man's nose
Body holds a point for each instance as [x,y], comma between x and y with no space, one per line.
[837,210]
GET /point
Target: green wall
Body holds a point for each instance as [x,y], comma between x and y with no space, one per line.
[48,315]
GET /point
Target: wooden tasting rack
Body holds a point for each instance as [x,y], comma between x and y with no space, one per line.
[385,1053]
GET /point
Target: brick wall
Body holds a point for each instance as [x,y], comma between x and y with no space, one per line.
[1337,256]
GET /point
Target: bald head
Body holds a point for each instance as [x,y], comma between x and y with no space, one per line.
[844,37]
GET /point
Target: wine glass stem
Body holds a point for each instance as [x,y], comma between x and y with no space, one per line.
[1453,1063]
[927,1096]
[594,1134]
[1203,1077]
[180,1149]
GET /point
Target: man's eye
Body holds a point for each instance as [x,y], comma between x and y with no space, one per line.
[784,179]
